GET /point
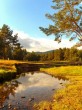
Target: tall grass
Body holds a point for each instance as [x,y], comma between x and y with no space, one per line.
[64,70]
[7,69]
[68,98]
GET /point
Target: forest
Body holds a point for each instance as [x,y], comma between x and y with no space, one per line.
[13,50]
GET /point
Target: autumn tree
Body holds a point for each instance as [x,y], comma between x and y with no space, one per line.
[67,20]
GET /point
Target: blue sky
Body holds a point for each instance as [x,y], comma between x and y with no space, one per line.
[25,17]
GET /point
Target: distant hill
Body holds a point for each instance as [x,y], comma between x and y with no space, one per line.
[44,52]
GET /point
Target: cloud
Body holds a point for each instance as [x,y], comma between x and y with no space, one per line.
[41,44]
[80,48]
[37,80]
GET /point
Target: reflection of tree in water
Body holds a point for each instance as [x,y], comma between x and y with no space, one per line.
[6,90]
[60,77]
[31,72]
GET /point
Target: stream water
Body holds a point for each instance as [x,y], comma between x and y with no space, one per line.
[32,87]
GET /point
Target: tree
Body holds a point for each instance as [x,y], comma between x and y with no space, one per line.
[8,42]
[33,57]
[50,55]
[67,20]
[80,55]
[57,55]
[18,52]
[5,39]
[73,55]
[67,54]
[24,52]
[44,57]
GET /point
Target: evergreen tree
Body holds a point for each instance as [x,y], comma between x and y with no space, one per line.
[67,54]
[8,42]
[74,55]
[67,20]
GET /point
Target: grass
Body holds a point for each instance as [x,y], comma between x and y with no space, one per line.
[7,65]
[68,98]
[64,70]
[7,69]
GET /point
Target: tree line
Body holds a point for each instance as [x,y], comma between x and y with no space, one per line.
[65,54]
[10,48]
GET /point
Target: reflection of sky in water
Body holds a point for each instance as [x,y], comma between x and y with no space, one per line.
[39,86]
[37,80]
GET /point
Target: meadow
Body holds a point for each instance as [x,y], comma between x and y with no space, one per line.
[68,98]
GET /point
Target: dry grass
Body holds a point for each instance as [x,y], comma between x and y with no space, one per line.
[8,65]
[69,98]
[7,69]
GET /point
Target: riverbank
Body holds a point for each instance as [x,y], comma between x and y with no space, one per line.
[68,98]
[8,70]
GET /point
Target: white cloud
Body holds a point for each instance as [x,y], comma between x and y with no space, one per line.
[80,48]
[41,44]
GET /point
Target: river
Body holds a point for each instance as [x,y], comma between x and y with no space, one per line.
[29,88]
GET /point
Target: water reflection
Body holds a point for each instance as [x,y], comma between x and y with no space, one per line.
[7,89]
[27,89]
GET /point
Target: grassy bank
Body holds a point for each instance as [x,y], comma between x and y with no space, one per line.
[69,98]
[7,69]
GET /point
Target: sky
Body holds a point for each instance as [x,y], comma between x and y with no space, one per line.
[25,17]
